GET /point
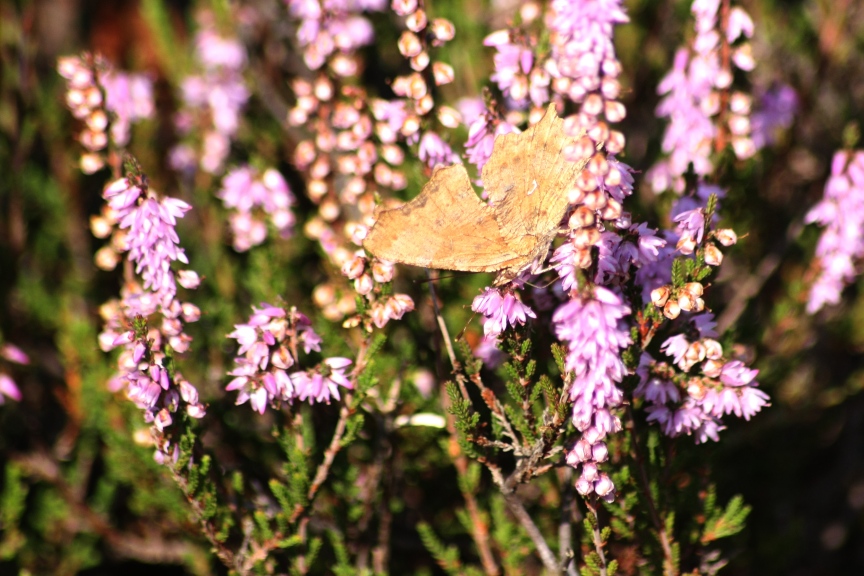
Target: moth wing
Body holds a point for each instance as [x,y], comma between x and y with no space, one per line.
[446,226]
[527,179]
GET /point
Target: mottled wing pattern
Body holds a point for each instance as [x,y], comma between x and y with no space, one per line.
[527,179]
[446,226]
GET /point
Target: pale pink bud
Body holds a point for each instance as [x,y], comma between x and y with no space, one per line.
[713,256]
[443,30]
[409,44]
[106,258]
[695,289]
[604,486]
[582,217]
[659,296]
[416,21]
[282,358]
[615,111]
[191,312]
[91,162]
[382,271]
[671,309]
[188,279]
[686,245]
[364,285]
[726,236]
[443,73]
[712,368]
[420,61]
[685,301]
[354,267]
[713,349]
[404,7]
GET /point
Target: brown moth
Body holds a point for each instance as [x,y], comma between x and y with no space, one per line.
[448,226]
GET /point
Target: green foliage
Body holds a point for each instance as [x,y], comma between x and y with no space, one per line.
[447,557]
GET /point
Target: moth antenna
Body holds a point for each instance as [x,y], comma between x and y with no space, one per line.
[462,332]
[431,279]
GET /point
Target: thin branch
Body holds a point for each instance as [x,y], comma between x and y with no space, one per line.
[546,555]
[479,529]
[591,503]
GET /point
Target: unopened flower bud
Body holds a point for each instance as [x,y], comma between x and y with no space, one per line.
[685,301]
[443,30]
[409,44]
[686,245]
[713,256]
[695,353]
[671,309]
[699,305]
[712,368]
[354,268]
[582,217]
[382,271]
[586,237]
[695,389]
[604,486]
[363,285]
[694,289]
[659,296]
[726,236]
[416,21]
[713,349]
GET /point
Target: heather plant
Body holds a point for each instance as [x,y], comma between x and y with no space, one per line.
[185,220]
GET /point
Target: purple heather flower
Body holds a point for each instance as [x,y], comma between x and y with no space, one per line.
[151,241]
[14,354]
[434,151]
[8,388]
[583,50]
[245,191]
[500,310]
[841,246]
[487,350]
[775,111]
[321,386]
[130,97]
[481,137]
[595,332]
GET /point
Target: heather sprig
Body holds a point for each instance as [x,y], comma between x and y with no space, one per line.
[704,109]
[107,101]
[13,355]
[267,372]
[212,101]
[841,245]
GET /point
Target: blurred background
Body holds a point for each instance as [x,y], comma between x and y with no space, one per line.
[81,495]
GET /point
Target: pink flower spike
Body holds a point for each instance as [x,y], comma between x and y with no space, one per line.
[8,388]
[14,354]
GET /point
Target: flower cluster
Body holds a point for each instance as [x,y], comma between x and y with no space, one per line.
[841,246]
[212,102]
[14,355]
[594,329]
[246,192]
[500,307]
[329,32]
[269,349]
[707,385]
[704,111]
[144,370]
[774,112]
[107,101]
[415,44]
[696,237]
[343,164]
[368,276]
